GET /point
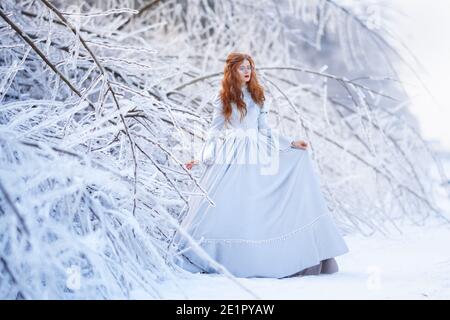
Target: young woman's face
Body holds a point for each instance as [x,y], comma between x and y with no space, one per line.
[244,71]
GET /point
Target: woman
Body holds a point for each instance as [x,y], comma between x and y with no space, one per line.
[269,218]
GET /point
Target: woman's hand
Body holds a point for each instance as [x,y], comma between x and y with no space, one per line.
[190,164]
[299,144]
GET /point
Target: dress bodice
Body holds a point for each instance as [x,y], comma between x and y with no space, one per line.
[253,123]
[250,119]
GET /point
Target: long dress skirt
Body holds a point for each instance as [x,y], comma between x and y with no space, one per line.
[268,220]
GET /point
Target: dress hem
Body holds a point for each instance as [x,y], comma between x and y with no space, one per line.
[274,260]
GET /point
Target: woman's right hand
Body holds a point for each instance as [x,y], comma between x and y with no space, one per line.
[299,144]
[190,164]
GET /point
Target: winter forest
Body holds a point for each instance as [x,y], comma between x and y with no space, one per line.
[103,102]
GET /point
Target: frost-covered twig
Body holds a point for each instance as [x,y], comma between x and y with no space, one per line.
[38,51]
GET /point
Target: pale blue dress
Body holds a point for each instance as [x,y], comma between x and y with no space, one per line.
[270,218]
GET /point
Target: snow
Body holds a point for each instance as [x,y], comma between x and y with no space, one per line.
[412,265]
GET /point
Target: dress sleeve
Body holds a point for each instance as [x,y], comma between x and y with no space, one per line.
[210,147]
[265,129]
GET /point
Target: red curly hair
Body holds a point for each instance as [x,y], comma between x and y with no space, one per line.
[231,85]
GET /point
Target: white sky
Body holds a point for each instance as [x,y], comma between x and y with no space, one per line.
[426,30]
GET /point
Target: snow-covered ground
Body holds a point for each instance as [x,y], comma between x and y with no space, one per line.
[412,265]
